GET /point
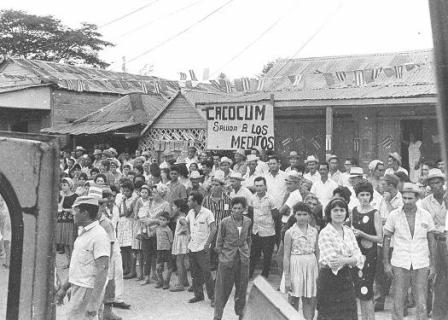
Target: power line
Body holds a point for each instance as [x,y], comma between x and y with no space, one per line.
[179,33]
[158,18]
[318,30]
[128,14]
[250,44]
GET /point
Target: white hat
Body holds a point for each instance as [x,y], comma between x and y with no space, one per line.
[435,173]
[410,187]
[225,159]
[236,175]
[86,200]
[332,156]
[195,175]
[293,154]
[373,164]
[219,176]
[311,159]
[356,172]
[80,148]
[241,152]
[252,157]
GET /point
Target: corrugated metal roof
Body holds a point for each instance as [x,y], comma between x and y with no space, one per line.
[130,110]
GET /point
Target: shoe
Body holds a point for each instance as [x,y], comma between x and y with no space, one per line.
[212,303]
[154,277]
[159,285]
[121,305]
[129,276]
[145,282]
[177,289]
[190,289]
[108,314]
[195,299]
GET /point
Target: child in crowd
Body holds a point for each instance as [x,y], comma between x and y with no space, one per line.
[164,241]
[142,209]
[180,243]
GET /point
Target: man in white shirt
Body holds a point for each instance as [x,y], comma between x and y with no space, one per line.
[293,160]
[275,181]
[334,173]
[413,254]
[323,188]
[293,196]
[262,166]
[251,173]
[311,163]
[345,176]
[394,164]
[239,191]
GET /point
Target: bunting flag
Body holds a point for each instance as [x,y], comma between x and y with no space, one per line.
[238,84]
[222,84]
[206,74]
[192,75]
[156,87]
[386,143]
[183,76]
[260,84]
[215,84]
[189,84]
[79,85]
[286,142]
[359,78]
[409,66]
[228,86]
[377,72]
[295,79]
[253,84]
[398,71]
[246,84]
[341,76]
[329,79]
[389,71]
[368,75]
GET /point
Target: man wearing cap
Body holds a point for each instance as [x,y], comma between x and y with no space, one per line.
[311,163]
[275,181]
[89,264]
[324,187]
[394,164]
[334,174]
[218,202]
[240,162]
[435,204]
[293,160]
[251,173]
[392,199]
[239,191]
[413,254]
[195,179]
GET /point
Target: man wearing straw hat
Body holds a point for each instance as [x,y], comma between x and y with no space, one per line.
[436,205]
[240,162]
[394,164]
[252,172]
[195,178]
[311,163]
[293,160]
[413,254]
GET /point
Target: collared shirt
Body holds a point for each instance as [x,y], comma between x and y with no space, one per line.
[410,252]
[276,187]
[396,202]
[199,228]
[245,193]
[392,171]
[332,245]
[220,207]
[249,179]
[293,198]
[312,177]
[91,244]
[263,221]
[324,190]
[437,211]
[345,179]
[231,242]
[336,177]
[262,167]
[302,243]
[164,237]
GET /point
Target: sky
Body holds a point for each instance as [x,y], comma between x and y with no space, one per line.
[238,37]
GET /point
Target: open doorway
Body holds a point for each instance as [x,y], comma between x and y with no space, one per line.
[5,253]
[411,146]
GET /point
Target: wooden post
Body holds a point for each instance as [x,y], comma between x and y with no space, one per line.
[328,131]
[438,10]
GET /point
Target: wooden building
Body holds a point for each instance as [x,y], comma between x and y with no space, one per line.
[334,110]
[39,94]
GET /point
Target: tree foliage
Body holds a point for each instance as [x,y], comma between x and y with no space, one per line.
[46,38]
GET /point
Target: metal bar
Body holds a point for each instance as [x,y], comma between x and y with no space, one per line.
[438,10]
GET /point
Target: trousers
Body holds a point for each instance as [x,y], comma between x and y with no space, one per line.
[259,245]
[200,273]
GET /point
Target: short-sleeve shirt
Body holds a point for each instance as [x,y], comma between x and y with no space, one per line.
[264,224]
[199,228]
[92,243]
[312,177]
[410,251]
[302,242]
[294,198]
[324,190]
[276,187]
[437,211]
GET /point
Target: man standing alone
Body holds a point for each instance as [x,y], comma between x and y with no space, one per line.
[233,247]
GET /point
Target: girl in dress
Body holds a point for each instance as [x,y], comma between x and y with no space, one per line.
[300,265]
[65,230]
[338,253]
[180,243]
[142,208]
[367,227]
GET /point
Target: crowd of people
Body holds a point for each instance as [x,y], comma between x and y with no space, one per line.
[336,236]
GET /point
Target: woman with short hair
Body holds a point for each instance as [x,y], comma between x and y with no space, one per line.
[338,253]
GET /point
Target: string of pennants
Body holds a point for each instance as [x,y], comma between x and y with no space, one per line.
[80,85]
